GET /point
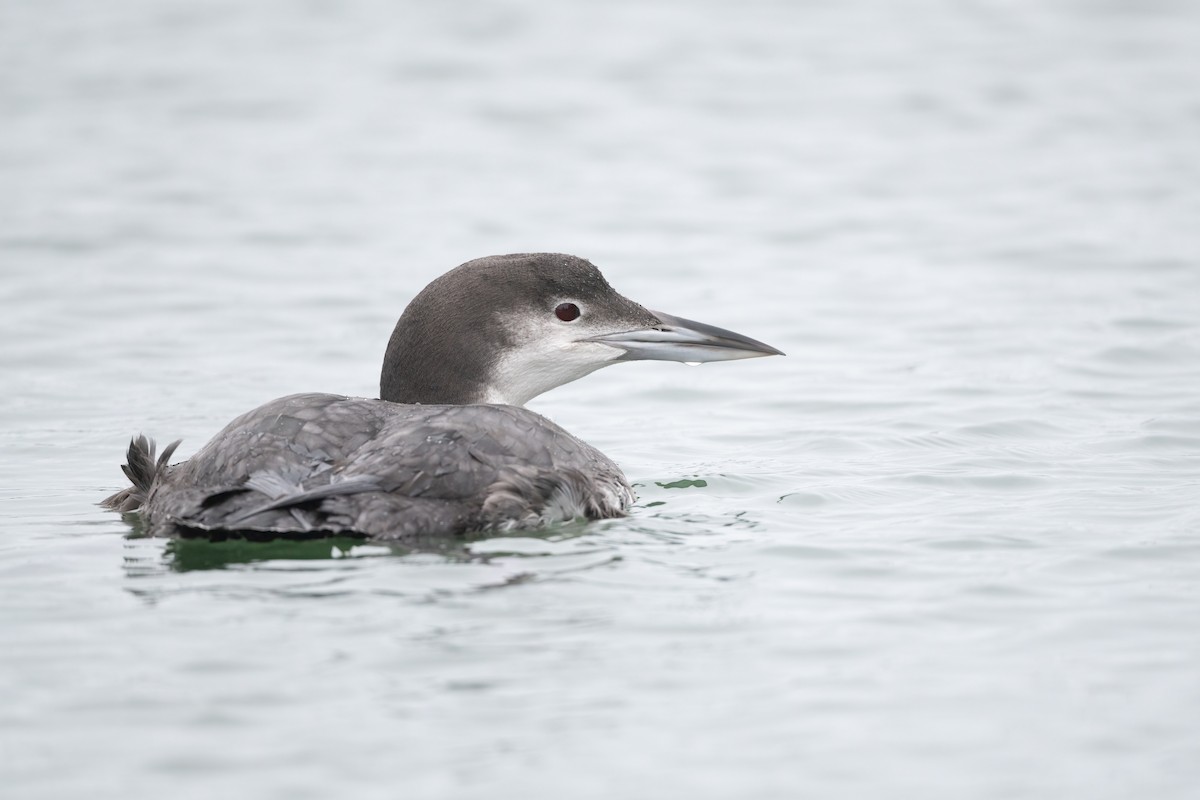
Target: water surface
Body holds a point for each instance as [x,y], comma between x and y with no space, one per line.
[946,548]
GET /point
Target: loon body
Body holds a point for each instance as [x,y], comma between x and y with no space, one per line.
[448,448]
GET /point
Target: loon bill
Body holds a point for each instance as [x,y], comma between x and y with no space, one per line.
[448,447]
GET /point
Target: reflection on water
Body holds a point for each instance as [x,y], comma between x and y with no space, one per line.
[685,483]
[183,555]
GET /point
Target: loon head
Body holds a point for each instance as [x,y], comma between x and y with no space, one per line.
[504,329]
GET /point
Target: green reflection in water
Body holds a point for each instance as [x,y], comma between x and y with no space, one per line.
[184,555]
[683,484]
[189,553]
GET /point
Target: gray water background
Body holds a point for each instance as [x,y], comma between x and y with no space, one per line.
[947,548]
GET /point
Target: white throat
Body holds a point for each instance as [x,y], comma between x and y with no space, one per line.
[546,355]
[523,373]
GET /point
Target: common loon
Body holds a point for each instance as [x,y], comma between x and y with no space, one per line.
[448,448]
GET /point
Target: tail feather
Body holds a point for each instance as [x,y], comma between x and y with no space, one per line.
[141,468]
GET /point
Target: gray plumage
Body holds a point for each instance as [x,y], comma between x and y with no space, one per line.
[322,464]
[446,449]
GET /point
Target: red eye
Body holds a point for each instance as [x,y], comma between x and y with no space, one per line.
[567,312]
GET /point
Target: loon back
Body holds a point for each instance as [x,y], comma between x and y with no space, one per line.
[319,465]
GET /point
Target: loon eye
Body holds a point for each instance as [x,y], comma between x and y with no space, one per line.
[567,312]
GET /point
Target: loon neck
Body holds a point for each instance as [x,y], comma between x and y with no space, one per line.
[434,369]
[440,352]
